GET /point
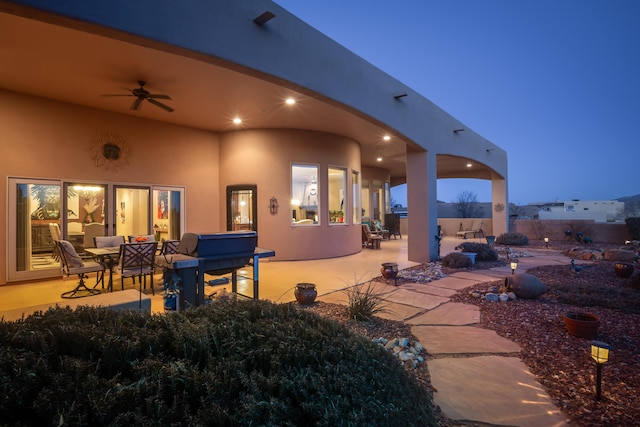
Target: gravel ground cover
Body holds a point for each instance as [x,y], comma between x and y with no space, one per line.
[561,362]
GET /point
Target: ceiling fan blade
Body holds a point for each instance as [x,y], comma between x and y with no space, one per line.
[136,104]
[156,96]
[121,94]
[160,104]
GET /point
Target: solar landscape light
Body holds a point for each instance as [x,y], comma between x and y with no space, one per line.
[546,242]
[514,265]
[600,353]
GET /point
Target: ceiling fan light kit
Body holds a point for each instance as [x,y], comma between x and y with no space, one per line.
[141,94]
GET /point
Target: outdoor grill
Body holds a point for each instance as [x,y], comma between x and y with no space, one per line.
[219,253]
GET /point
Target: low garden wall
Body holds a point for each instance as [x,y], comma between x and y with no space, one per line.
[555,229]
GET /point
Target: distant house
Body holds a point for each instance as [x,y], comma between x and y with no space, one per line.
[596,210]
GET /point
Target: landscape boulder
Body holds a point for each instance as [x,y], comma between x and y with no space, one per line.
[525,285]
[622,255]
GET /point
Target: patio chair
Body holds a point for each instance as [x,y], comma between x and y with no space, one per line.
[169,247]
[108,241]
[54,229]
[90,231]
[72,263]
[138,260]
[370,240]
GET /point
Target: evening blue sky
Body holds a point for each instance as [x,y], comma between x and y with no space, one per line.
[555,83]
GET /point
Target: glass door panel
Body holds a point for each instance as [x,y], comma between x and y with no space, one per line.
[167,213]
[84,213]
[242,208]
[132,211]
[34,217]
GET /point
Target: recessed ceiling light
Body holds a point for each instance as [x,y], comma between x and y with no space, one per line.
[469,165]
[386,138]
[290,101]
[379,159]
[237,120]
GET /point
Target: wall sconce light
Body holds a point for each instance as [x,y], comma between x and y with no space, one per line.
[458,130]
[273,205]
[514,265]
[546,242]
[400,95]
[264,18]
[599,353]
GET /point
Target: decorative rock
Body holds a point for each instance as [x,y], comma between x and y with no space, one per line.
[525,286]
[512,296]
[476,294]
[492,297]
[503,297]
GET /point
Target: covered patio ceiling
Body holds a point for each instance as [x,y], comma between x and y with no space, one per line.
[75,62]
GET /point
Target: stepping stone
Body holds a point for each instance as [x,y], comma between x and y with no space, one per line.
[452,313]
[462,340]
[416,299]
[494,390]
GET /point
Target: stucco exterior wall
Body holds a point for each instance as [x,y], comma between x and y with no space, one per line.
[264,157]
[41,138]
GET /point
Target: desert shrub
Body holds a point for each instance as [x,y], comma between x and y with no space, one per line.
[242,363]
[633,226]
[484,251]
[512,238]
[456,260]
[364,301]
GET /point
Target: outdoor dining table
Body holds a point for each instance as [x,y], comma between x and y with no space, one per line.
[108,256]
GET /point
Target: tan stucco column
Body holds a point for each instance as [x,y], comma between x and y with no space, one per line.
[422,206]
[499,205]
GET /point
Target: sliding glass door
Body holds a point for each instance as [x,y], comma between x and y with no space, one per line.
[41,211]
[34,217]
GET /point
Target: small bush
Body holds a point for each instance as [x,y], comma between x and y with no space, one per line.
[483,251]
[456,260]
[364,301]
[512,239]
[237,364]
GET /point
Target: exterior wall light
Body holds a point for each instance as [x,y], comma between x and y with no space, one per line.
[514,265]
[599,353]
[273,205]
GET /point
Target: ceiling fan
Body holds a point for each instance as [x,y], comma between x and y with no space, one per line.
[142,94]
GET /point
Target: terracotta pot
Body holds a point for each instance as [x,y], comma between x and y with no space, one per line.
[623,269]
[389,270]
[582,325]
[305,293]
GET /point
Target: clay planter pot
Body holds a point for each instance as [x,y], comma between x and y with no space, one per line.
[581,325]
[623,269]
[389,270]
[305,293]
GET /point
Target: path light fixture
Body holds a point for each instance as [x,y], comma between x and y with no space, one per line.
[546,242]
[514,265]
[599,353]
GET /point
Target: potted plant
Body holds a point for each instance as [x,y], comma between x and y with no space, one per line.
[581,325]
[305,293]
[623,269]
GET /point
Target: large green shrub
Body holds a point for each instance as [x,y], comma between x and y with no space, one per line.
[456,260]
[483,251]
[241,363]
[633,226]
[512,239]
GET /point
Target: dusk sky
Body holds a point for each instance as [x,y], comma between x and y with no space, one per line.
[555,83]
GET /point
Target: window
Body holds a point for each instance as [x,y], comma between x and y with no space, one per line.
[337,195]
[305,194]
[355,191]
